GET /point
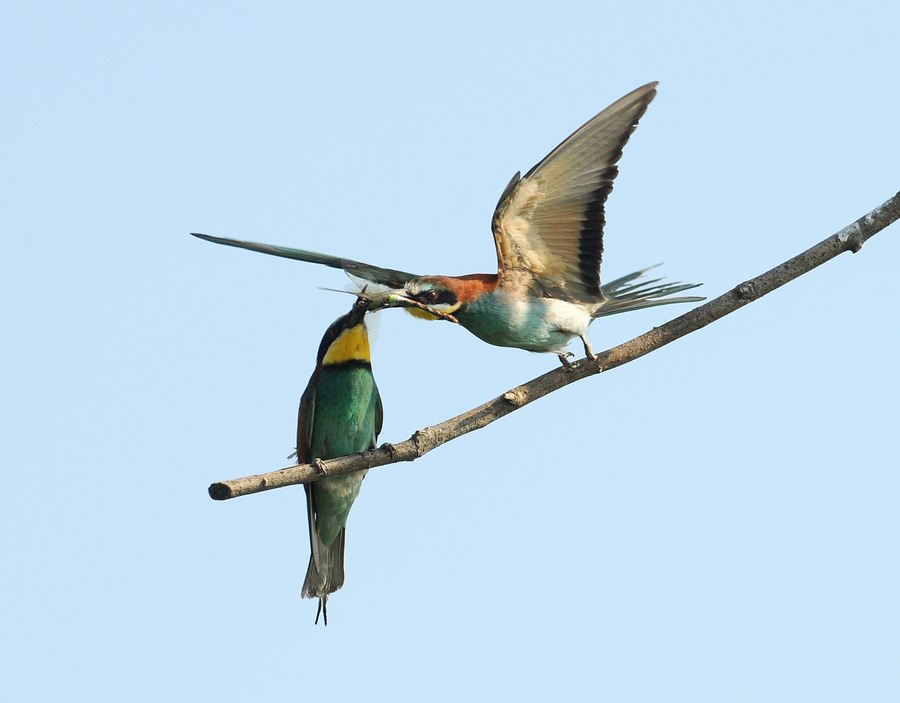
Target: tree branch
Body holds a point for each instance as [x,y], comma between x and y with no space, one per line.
[850,238]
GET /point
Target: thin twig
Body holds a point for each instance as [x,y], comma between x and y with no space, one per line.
[850,238]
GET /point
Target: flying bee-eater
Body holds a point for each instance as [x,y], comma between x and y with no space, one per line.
[340,414]
[548,233]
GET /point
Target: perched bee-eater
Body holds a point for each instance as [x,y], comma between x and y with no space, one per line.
[548,232]
[340,413]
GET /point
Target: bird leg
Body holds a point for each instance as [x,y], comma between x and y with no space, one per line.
[564,358]
[588,352]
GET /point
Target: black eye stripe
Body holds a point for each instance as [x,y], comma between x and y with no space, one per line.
[434,296]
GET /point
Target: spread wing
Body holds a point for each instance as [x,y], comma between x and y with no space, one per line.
[548,226]
[357,269]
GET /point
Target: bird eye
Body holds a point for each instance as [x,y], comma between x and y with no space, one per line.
[429,296]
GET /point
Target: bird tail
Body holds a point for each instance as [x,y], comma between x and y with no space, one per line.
[325,573]
[629,293]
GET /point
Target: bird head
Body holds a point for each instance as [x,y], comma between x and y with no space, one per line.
[438,297]
[434,293]
[397,298]
[346,338]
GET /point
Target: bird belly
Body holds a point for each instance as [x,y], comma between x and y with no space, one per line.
[334,497]
[533,324]
[344,423]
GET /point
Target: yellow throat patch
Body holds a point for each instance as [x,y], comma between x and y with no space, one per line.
[421,314]
[351,345]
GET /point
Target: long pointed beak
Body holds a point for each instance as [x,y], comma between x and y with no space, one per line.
[396,299]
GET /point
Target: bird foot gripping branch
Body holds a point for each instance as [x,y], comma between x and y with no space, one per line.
[548,234]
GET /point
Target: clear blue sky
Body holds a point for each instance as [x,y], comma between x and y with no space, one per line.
[717,521]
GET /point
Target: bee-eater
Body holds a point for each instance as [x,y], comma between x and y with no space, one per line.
[340,413]
[548,232]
